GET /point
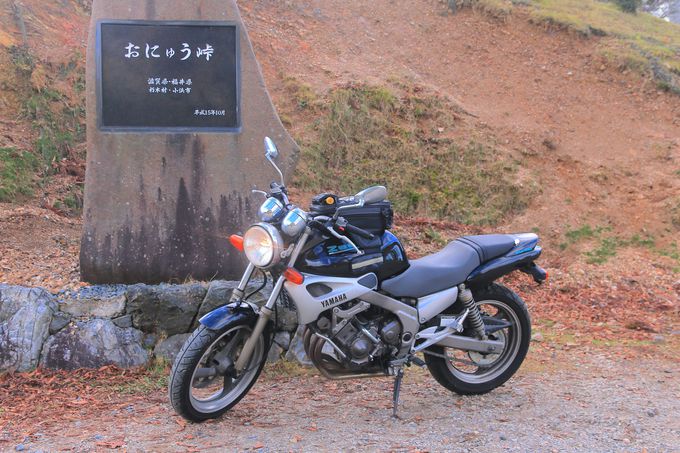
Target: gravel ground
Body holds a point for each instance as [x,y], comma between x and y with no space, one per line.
[578,400]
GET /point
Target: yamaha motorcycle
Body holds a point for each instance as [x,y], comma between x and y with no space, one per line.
[366,309]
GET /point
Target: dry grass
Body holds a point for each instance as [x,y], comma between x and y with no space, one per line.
[499,9]
[407,139]
[640,42]
[17,170]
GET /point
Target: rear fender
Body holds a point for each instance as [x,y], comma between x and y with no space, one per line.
[494,269]
[226,314]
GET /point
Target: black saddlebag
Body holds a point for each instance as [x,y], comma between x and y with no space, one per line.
[374,218]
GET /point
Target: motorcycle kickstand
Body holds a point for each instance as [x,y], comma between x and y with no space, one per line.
[395,393]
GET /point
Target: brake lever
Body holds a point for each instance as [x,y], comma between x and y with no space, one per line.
[266,195]
[326,226]
[344,239]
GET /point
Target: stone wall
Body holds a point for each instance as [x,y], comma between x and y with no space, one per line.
[117,325]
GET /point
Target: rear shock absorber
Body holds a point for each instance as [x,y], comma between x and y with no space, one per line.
[475,317]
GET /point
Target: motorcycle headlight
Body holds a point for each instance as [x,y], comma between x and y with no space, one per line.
[270,210]
[263,245]
[294,222]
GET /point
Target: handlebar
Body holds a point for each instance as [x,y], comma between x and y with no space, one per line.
[277,191]
[325,224]
[314,223]
[343,225]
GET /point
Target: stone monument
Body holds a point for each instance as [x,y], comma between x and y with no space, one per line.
[177,111]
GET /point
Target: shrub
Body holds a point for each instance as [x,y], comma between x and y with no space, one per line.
[628,6]
[16,174]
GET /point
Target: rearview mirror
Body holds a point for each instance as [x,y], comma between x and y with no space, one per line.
[270,149]
[271,152]
[373,194]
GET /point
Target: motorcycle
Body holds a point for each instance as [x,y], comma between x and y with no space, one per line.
[367,310]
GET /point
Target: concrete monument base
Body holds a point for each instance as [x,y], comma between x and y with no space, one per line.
[160,205]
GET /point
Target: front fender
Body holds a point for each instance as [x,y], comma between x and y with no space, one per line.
[221,316]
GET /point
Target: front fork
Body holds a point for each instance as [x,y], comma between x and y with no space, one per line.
[267,309]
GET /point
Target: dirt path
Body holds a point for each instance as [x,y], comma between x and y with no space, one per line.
[38,248]
[578,400]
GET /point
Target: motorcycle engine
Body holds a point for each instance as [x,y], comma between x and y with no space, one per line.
[364,334]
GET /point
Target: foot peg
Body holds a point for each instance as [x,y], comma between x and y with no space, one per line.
[447,326]
[454,322]
[418,361]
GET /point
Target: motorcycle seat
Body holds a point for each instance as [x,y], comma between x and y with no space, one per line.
[437,272]
[453,264]
[490,246]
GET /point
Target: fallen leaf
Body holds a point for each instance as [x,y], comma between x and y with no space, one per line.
[189,448]
[182,424]
[111,444]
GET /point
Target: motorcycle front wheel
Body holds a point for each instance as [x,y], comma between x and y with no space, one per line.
[474,373]
[203,384]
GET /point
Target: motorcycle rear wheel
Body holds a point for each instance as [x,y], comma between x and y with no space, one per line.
[198,397]
[471,373]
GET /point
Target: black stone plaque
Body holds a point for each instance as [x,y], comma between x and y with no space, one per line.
[182,76]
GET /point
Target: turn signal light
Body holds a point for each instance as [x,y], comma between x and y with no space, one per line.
[294,276]
[236,241]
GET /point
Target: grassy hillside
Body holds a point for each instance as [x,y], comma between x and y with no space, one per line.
[640,41]
[43,92]
[463,116]
[416,143]
[437,162]
[42,104]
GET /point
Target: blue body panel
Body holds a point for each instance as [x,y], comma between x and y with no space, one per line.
[523,254]
[329,255]
[527,243]
[332,257]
